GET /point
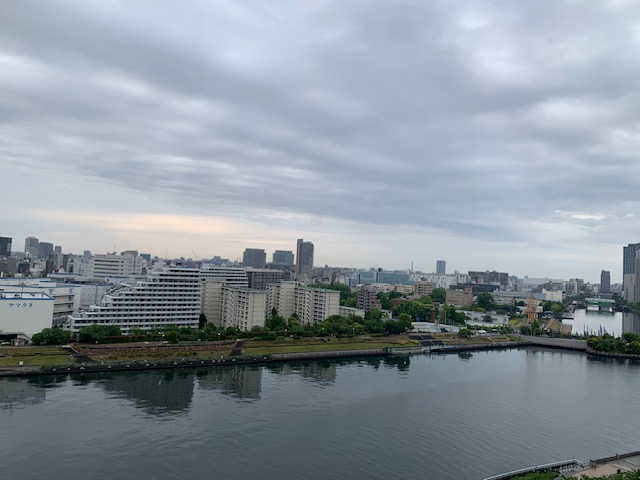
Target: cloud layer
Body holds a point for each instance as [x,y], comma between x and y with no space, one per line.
[510,125]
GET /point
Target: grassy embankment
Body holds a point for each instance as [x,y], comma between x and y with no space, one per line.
[34,356]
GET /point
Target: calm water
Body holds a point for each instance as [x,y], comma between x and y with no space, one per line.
[586,322]
[456,416]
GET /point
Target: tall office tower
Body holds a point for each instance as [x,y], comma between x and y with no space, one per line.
[31,247]
[254,257]
[45,249]
[441,267]
[283,257]
[304,257]
[57,249]
[5,246]
[605,281]
[629,270]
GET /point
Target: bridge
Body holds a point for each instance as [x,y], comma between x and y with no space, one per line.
[560,467]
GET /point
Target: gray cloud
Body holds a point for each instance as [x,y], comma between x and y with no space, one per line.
[474,118]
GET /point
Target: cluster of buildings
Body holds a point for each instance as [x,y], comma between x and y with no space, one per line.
[283,260]
[41,287]
[133,291]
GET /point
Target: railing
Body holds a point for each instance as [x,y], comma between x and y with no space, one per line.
[549,467]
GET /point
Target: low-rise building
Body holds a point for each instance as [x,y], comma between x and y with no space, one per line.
[25,312]
[66,298]
[459,298]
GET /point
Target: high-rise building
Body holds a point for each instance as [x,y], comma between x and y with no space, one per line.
[441,267]
[605,281]
[254,257]
[314,305]
[283,257]
[304,257]
[5,246]
[31,247]
[629,254]
[45,249]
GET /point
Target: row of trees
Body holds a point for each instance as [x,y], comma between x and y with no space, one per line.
[109,333]
[629,343]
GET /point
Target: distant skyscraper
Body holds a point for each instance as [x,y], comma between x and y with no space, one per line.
[254,257]
[45,249]
[57,249]
[441,267]
[31,246]
[283,257]
[304,257]
[5,246]
[629,271]
[605,282]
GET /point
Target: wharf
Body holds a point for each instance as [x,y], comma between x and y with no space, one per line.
[565,343]
[626,462]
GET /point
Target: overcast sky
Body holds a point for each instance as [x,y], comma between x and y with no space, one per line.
[491,134]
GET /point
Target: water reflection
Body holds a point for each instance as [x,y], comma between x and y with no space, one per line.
[15,392]
[238,381]
[466,356]
[596,323]
[157,392]
[321,371]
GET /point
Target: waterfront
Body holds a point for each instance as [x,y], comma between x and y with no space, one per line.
[596,323]
[466,415]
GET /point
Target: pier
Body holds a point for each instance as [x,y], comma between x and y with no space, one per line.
[564,466]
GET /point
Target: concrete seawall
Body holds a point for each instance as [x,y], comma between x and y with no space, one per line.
[243,360]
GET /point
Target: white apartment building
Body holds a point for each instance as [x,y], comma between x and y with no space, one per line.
[281,297]
[102,266]
[440,280]
[243,308]
[313,305]
[225,306]
[169,296]
[25,312]
[66,298]
[230,276]
[211,305]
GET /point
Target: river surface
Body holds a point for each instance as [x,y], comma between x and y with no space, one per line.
[596,323]
[445,416]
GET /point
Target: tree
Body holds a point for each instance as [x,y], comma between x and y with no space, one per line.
[439,295]
[97,333]
[171,336]
[465,333]
[51,336]
[487,318]
[385,302]
[373,326]
[202,321]
[372,314]
[405,318]
[293,321]
[275,323]
[486,301]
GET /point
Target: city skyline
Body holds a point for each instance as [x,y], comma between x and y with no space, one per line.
[493,135]
[239,260]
